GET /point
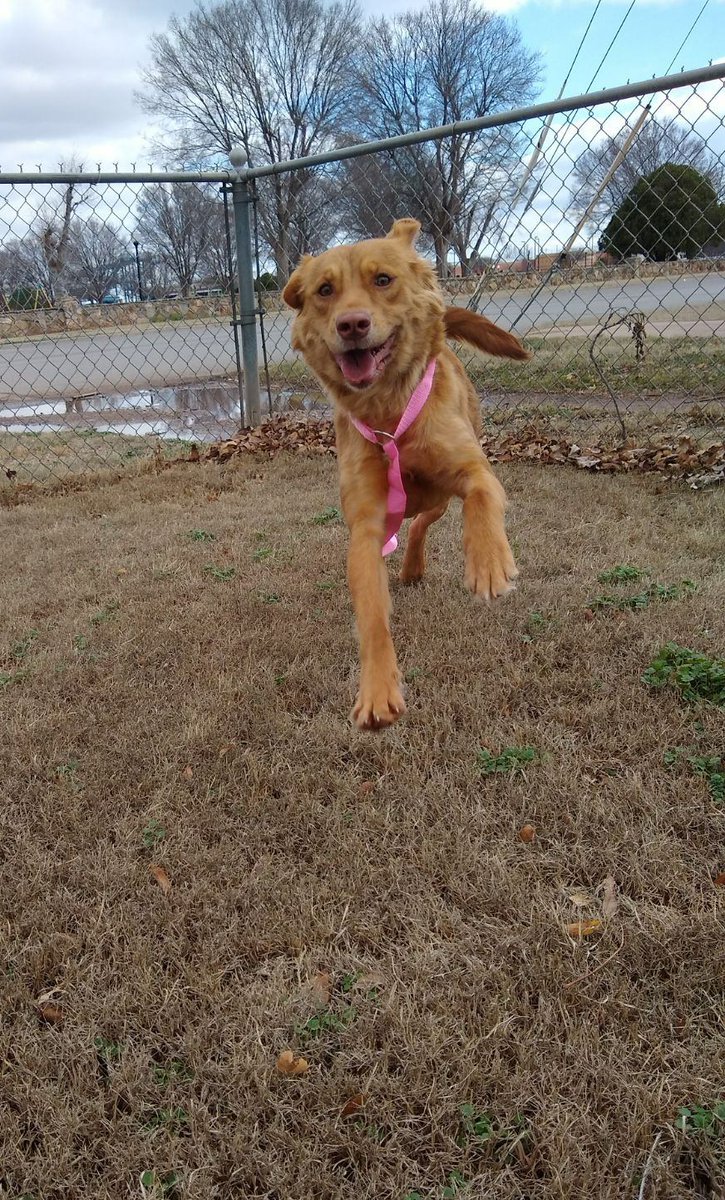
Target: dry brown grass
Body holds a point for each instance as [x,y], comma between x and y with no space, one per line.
[283,865]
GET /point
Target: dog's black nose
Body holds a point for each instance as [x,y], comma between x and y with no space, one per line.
[353,324]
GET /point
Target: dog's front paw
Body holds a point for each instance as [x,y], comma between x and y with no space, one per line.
[490,570]
[379,702]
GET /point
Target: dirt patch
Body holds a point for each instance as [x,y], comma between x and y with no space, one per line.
[205,866]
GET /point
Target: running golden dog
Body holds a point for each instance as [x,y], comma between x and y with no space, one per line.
[372,324]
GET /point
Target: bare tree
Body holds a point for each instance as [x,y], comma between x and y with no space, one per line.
[448,62]
[177,224]
[274,76]
[96,259]
[659,141]
[42,256]
[215,263]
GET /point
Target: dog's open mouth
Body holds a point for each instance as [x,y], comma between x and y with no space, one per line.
[362,367]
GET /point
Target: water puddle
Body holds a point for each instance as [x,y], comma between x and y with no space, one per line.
[204,412]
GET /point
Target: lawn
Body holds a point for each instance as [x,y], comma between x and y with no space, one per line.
[679,369]
[490,939]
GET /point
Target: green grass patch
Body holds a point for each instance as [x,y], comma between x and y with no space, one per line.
[8,678]
[709,767]
[698,1118]
[327,1022]
[152,834]
[510,761]
[327,516]
[622,574]
[694,675]
[106,613]
[175,1071]
[160,1185]
[661,592]
[222,574]
[170,1119]
[109,1051]
[22,648]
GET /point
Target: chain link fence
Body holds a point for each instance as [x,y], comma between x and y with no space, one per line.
[594,227]
[117,321]
[598,235]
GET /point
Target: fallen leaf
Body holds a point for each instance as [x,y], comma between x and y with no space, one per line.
[610,903]
[581,899]
[291,1064]
[53,1014]
[580,929]
[321,989]
[353,1106]
[720,879]
[161,878]
[226,749]
[187,772]
[366,788]
[527,833]
[51,995]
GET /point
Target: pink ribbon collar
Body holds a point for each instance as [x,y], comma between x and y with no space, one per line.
[397,498]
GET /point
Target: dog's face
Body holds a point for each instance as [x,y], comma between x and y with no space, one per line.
[366,313]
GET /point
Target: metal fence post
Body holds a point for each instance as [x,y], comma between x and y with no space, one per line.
[241,200]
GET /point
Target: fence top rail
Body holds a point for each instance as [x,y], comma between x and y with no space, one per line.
[628,91]
[33,177]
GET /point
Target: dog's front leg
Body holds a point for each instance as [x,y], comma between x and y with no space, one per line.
[490,566]
[379,700]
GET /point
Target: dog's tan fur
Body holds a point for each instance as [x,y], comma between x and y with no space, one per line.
[440,454]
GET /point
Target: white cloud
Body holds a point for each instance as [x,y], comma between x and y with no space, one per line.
[69,69]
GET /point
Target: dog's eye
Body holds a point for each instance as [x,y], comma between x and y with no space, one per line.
[383,280]
[325,289]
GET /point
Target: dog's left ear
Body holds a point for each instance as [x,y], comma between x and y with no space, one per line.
[406,230]
[294,292]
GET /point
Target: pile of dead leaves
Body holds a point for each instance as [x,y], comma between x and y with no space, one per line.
[681,459]
[283,433]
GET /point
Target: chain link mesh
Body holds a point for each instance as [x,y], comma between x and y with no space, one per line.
[598,235]
[116,332]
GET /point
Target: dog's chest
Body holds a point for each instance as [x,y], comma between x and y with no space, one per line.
[421,493]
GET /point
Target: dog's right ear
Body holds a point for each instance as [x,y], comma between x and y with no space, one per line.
[406,229]
[294,292]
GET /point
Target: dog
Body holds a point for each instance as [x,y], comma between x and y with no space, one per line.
[371,323]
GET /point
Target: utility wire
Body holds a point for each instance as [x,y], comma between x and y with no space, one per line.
[604,58]
[686,37]
[578,49]
[539,147]
[609,47]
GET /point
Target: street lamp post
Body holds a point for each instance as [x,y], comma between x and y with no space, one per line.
[138,267]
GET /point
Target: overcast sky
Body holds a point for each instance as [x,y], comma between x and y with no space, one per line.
[69,68]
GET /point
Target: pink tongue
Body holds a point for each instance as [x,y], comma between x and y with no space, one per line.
[358,366]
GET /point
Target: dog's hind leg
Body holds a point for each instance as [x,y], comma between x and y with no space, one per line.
[413,567]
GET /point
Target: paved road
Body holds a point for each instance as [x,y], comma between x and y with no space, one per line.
[155,356]
[121,361]
[588,302]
